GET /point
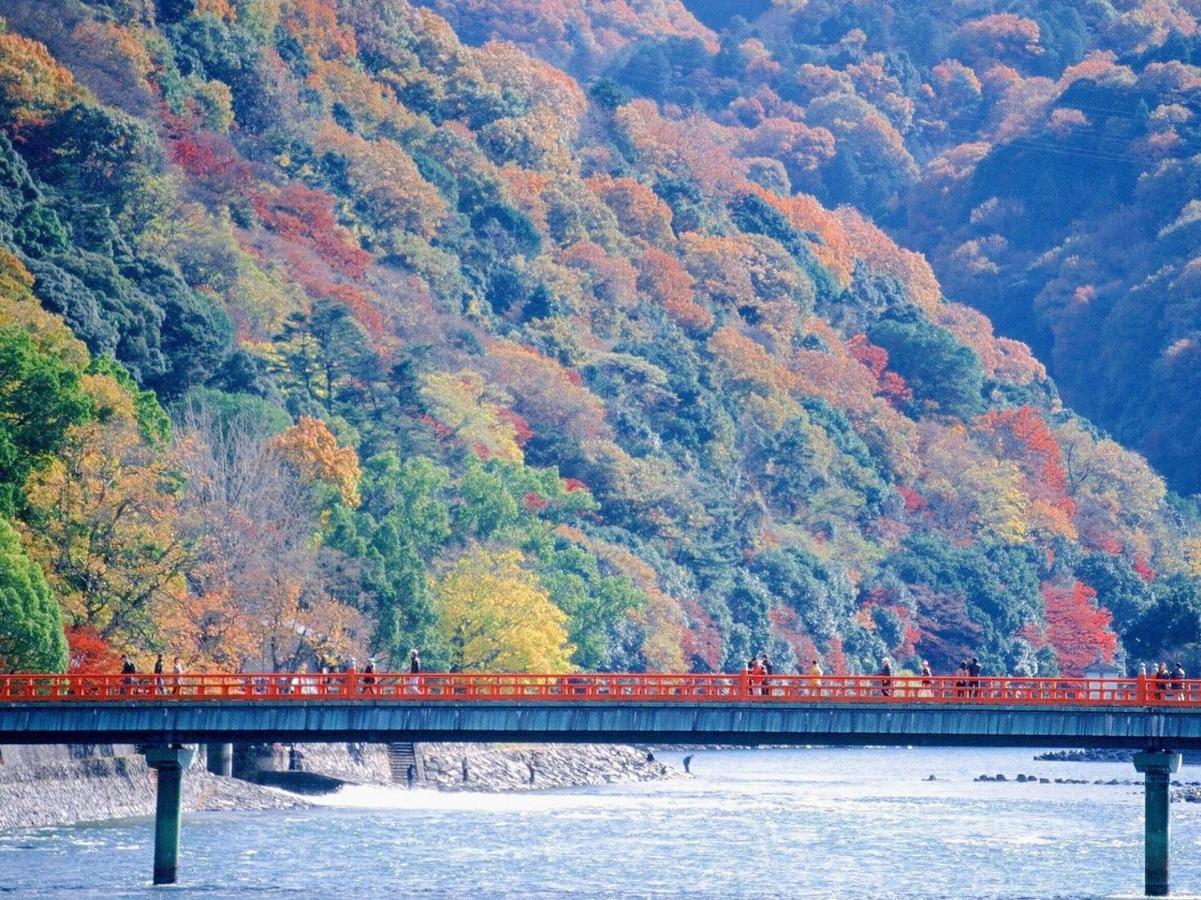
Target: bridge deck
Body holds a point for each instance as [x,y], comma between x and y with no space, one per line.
[1129,713]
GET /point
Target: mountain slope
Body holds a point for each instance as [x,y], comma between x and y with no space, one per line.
[460,352]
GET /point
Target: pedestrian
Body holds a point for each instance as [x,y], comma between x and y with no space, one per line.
[756,671]
[886,677]
[688,764]
[414,671]
[815,678]
[1161,681]
[128,670]
[767,670]
[369,677]
[176,676]
[158,674]
[1178,681]
[961,679]
[410,774]
[973,672]
[927,679]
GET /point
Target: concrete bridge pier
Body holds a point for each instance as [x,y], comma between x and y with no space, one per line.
[169,763]
[220,759]
[1157,767]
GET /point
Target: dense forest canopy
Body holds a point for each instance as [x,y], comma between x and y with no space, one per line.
[573,335]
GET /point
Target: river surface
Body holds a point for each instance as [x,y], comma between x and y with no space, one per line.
[750,823]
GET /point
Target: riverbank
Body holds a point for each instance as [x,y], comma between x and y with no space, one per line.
[61,785]
[65,785]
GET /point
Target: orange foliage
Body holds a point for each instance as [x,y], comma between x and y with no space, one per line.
[746,367]
[834,250]
[669,283]
[1077,628]
[313,450]
[892,385]
[1024,437]
[610,276]
[639,210]
[89,652]
[1000,36]
[33,87]
[297,211]
[884,257]
[548,394]
[314,23]
[695,147]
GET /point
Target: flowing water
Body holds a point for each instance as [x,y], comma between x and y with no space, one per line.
[762,823]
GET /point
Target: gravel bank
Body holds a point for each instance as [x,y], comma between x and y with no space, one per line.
[61,786]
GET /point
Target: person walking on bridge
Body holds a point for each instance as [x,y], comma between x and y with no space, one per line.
[973,674]
[176,676]
[886,677]
[369,677]
[128,670]
[1177,681]
[158,674]
[414,671]
[754,669]
[815,678]
[1161,681]
[927,680]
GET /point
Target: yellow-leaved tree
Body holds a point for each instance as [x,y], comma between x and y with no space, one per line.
[493,615]
[311,447]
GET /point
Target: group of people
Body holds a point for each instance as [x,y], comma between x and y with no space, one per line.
[758,669]
[967,678]
[300,683]
[129,669]
[1167,684]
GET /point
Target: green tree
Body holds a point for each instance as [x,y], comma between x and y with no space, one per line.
[40,398]
[402,522]
[31,630]
[942,373]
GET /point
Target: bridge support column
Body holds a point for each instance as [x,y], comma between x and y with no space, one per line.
[220,759]
[169,763]
[1156,767]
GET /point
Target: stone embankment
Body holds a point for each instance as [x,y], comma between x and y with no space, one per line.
[62,785]
[523,768]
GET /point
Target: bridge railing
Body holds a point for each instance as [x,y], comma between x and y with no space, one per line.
[403,687]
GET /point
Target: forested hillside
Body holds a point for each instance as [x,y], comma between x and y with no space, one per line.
[535,336]
[1044,155]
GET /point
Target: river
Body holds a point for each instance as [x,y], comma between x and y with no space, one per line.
[750,823]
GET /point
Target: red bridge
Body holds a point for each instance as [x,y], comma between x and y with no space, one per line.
[808,689]
[169,714]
